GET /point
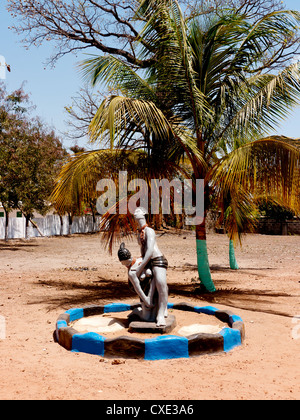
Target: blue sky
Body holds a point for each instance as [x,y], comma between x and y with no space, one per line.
[52,88]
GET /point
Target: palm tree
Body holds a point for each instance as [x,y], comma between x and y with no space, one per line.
[209,97]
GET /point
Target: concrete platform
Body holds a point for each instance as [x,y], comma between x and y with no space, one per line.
[150,327]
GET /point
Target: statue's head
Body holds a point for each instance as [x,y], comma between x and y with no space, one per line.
[140,213]
[124,254]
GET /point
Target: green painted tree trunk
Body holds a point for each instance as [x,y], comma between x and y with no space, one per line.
[232,259]
[202,259]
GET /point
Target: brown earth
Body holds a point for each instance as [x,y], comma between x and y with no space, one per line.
[41,278]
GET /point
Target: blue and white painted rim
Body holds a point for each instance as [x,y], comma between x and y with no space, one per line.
[159,348]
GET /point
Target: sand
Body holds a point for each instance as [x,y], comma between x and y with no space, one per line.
[187,323]
[41,278]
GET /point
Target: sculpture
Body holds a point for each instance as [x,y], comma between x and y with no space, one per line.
[143,286]
[152,265]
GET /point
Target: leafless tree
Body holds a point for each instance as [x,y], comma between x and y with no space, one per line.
[74,25]
[111,26]
[254,9]
[81,112]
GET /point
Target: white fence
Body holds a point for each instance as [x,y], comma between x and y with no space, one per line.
[48,225]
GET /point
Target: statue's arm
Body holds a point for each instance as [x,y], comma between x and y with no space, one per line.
[150,243]
[137,287]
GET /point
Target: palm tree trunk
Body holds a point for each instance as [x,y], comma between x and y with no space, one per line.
[232,259]
[201,244]
[202,259]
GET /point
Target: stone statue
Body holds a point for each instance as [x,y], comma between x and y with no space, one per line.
[152,265]
[143,286]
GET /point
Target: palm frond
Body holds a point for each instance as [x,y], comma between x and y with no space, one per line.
[274,28]
[115,227]
[239,212]
[265,102]
[269,167]
[78,178]
[118,75]
[117,113]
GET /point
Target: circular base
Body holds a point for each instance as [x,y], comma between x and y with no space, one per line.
[158,348]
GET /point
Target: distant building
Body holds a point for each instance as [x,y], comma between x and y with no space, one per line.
[17,213]
[13,213]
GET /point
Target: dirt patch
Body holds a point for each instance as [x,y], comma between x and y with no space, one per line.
[41,278]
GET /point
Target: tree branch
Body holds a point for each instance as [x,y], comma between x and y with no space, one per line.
[72,23]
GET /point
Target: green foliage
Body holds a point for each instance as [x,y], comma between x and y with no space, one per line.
[30,157]
[210,94]
[272,210]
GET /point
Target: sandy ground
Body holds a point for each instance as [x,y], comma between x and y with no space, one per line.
[41,278]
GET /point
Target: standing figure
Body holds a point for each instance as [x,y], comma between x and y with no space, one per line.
[152,258]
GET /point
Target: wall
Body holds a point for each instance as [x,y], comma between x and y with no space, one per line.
[275,227]
[49,226]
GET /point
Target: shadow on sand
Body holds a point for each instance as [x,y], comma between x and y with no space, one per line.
[74,294]
[69,294]
[6,246]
